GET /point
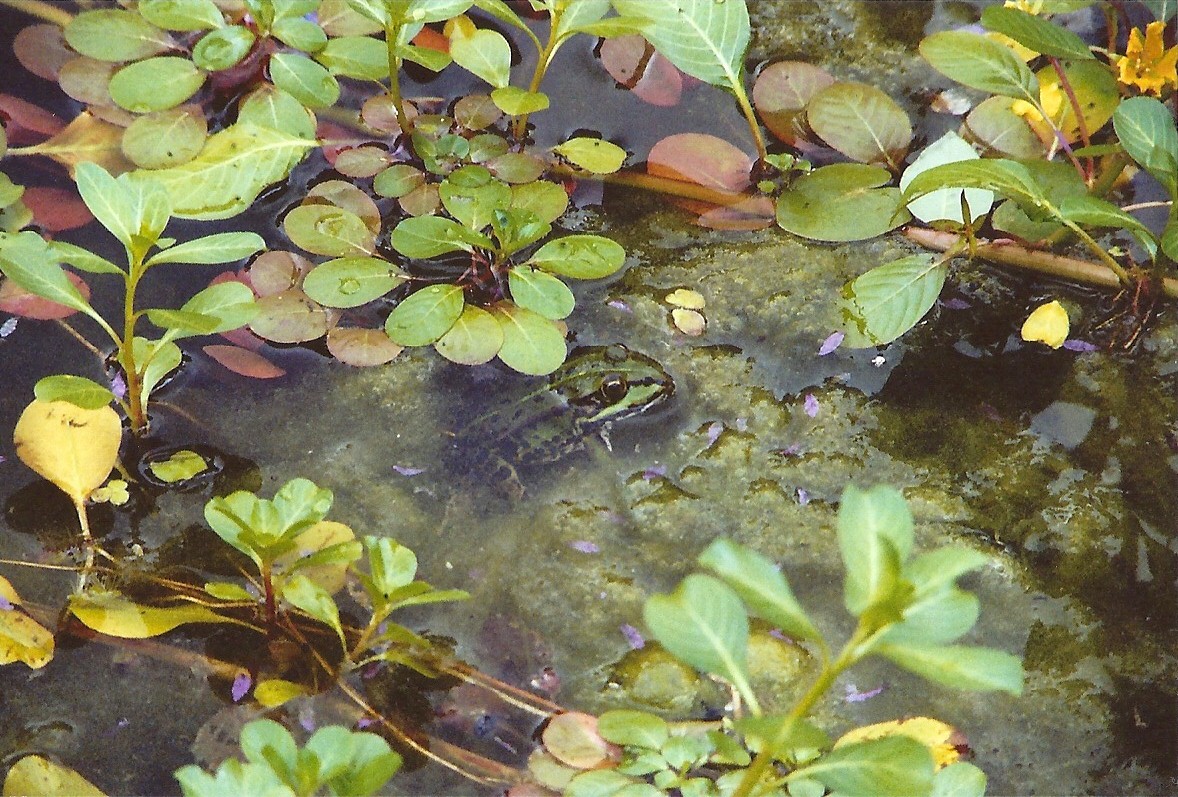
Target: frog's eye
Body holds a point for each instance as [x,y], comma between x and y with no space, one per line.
[613,388]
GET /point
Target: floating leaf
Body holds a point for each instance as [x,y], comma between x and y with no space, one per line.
[580,256]
[22,638]
[33,774]
[329,230]
[77,390]
[592,154]
[946,203]
[430,236]
[540,291]
[515,101]
[184,15]
[841,202]
[862,122]
[115,615]
[88,80]
[116,35]
[980,63]
[56,209]
[233,168]
[782,91]
[633,728]
[72,447]
[361,347]
[155,84]
[351,281]
[42,50]
[308,82]
[274,692]
[289,317]
[700,158]
[1048,324]
[223,48]
[244,362]
[532,344]
[180,466]
[572,739]
[689,322]
[271,107]
[424,316]
[999,130]
[86,139]
[475,338]
[167,138]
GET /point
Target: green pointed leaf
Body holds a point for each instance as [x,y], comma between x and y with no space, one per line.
[184,15]
[935,619]
[360,57]
[154,359]
[222,247]
[270,106]
[228,591]
[1170,236]
[575,15]
[1036,33]
[233,168]
[580,256]
[761,586]
[475,338]
[1090,211]
[980,63]
[77,390]
[1146,130]
[155,84]
[702,622]
[83,259]
[532,344]
[426,315]
[431,59]
[592,154]
[875,537]
[841,202]
[27,260]
[351,281]
[485,54]
[430,236]
[704,38]
[514,101]
[862,122]
[895,766]
[960,666]
[308,82]
[540,292]
[306,595]
[115,35]
[182,320]
[223,48]
[889,300]
[231,304]
[397,180]
[633,728]
[299,33]
[946,203]
[114,615]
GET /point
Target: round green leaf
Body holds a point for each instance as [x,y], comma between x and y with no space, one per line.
[862,122]
[544,198]
[223,48]
[397,180]
[516,167]
[165,138]
[185,15]
[329,230]
[270,106]
[476,112]
[475,338]
[87,80]
[485,146]
[592,154]
[289,317]
[351,281]
[532,344]
[360,57]
[77,390]
[116,35]
[541,292]
[889,300]
[841,203]
[309,83]
[515,101]
[633,728]
[301,34]
[424,316]
[155,84]
[430,236]
[580,256]
[474,205]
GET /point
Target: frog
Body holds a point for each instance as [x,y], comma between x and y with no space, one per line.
[595,388]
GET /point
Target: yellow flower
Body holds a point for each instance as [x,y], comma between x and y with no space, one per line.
[1048,323]
[1146,63]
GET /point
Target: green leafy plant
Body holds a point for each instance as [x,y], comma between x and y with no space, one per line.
[136,213]
[908,609]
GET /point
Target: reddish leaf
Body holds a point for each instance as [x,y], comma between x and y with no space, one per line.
[781,93]
[432,40]
[244,362]
[276,271]
[632,62]
[361,347]
[42,50]
[16,300]
[27,123]
[700,158]
[56,209]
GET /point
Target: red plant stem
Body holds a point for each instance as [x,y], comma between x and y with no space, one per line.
[1012,254]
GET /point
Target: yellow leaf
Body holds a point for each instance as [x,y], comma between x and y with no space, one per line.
[71,447]
[21,637]
[689,322]
[36,775]
[275,691]
[1048,323]
[330,576]
[86,138]
[114,615]
[685,297]
[944,741]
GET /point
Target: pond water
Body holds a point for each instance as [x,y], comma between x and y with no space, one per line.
[1062,466]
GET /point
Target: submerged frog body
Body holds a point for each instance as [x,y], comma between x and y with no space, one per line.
[596,387]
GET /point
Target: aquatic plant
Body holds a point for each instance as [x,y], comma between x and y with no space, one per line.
[909,610]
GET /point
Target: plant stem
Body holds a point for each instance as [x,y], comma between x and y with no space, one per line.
[519,125]
[750,116]
[127,353]
[50,12]
[84,522]
[391,33]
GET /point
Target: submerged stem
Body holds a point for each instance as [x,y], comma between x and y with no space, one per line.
[50,12]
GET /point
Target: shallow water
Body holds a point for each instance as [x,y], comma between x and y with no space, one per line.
[1060,465]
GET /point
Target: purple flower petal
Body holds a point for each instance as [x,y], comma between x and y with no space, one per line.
[803,497]
[5,604]
[584,546]
[654,472]
[714,431]
[831,343]
[307,719]
[118,386]
[241,686]
[365,722]
[633,637]
[618,304]
[1078,345]
[810,405]
[855,696]
[955,304]
[404,470]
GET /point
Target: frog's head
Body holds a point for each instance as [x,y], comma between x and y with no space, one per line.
[606,383]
